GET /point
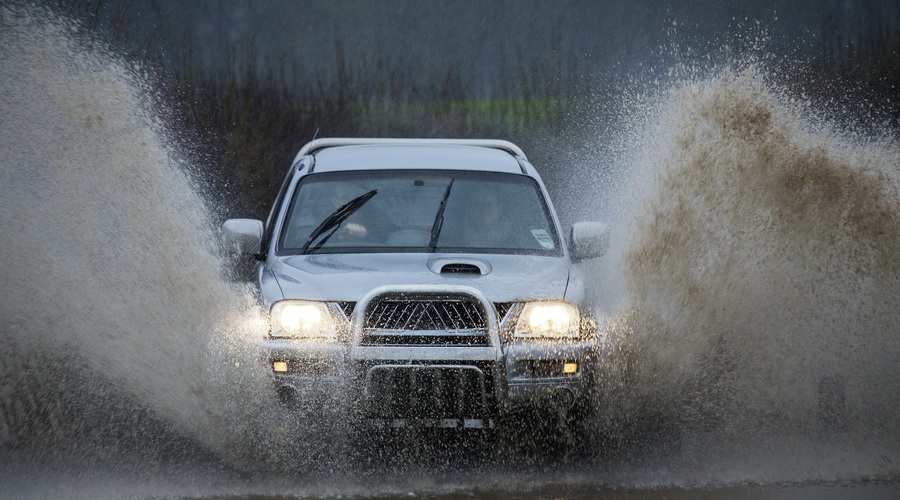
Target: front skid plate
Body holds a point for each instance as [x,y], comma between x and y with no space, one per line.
[452,394]
[443,423]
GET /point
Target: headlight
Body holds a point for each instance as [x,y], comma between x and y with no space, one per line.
[302,319]
[548,319]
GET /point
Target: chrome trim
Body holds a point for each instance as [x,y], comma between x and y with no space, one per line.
[424,353]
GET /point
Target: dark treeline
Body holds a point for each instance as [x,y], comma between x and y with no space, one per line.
[251,125]
[246,126]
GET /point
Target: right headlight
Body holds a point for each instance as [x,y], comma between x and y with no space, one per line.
[302,319]
[549,319]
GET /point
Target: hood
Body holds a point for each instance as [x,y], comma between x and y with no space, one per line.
[347,277]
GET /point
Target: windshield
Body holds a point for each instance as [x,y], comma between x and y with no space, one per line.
[419,211]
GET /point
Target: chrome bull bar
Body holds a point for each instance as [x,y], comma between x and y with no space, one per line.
[442,386]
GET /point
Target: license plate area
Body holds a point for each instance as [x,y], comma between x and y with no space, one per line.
[426,392]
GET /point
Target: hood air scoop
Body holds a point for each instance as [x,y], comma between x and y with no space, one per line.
[459,266]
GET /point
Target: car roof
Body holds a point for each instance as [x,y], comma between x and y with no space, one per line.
[416,156]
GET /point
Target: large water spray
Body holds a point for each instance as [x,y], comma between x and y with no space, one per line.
[754,338]
[760,288]
[111,278]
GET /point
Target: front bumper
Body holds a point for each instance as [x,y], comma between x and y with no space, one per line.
[527,375]
[448,385]
[559,373]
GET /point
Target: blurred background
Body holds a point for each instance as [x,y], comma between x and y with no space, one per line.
[249,82]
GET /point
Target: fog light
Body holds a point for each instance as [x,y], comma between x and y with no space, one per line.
[280,366]
[570,368]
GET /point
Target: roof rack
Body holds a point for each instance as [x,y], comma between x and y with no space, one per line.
[319,144]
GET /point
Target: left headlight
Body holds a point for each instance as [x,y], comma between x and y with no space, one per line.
[302,319]
[549,319]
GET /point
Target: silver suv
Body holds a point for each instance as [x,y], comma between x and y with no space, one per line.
[426,280]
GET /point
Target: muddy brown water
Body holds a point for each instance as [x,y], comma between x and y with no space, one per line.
[750,298]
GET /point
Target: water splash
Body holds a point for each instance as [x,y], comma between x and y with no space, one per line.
[112,282]
[759,283]
[761,289]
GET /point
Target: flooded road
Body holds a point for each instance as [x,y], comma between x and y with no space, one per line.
[201,482]
[752,298]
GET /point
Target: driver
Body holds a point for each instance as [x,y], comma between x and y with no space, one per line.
[368,223]
[342,194]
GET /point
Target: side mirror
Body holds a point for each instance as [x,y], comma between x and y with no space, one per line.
[588,240]
[243,235]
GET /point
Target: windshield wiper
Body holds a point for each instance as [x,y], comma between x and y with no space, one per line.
[439,219]
[334,220]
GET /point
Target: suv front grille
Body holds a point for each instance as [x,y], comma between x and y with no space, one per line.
[426,314]
[426,320]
